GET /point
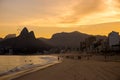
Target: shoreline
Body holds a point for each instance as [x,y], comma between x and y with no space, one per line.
[48,60]
[27,71]
[64,59]
[77,70]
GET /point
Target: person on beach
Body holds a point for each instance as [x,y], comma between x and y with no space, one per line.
[58,58]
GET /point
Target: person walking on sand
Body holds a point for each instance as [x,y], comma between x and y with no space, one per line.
[58,58]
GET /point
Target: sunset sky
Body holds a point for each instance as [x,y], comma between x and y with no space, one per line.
[46,17]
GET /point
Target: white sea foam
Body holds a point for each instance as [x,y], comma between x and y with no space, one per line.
[12,64]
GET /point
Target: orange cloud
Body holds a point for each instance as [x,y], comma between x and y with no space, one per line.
[117,4]
[84,8]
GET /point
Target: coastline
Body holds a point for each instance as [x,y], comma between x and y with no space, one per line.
[16,72]
[24,72]
[72,67]
[77,69]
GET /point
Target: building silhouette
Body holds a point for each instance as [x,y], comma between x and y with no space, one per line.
[114,40]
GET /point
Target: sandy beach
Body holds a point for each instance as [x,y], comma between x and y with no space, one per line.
[71,69]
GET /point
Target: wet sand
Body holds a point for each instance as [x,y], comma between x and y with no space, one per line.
[71,69]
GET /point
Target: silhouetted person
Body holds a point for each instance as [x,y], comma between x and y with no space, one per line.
[79,57]
[58,58]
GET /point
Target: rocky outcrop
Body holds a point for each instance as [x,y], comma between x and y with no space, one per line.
[25,34]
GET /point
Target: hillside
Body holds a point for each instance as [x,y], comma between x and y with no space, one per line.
[71,39]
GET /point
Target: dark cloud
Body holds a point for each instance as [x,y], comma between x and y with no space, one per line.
[84,8]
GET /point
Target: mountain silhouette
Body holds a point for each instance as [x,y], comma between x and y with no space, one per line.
[25,34]
[69,40]
[25,43]
[1,39]
[65,39]
[10,36]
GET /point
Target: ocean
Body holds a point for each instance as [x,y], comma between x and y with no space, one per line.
[10,62]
